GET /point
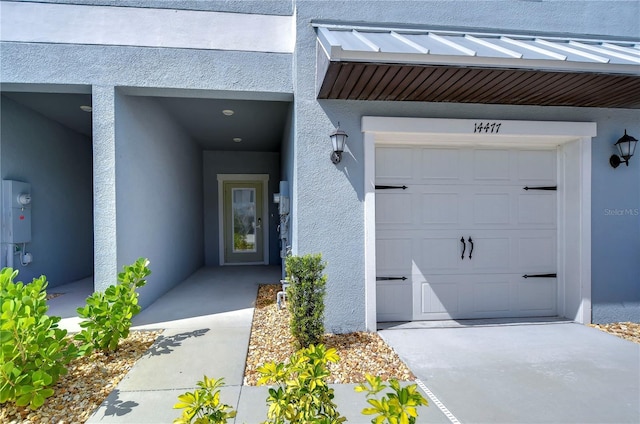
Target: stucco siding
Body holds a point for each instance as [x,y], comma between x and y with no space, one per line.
[57,162]
[227,72]
[159,194]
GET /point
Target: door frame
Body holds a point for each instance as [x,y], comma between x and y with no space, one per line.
[573,141]
[230,178]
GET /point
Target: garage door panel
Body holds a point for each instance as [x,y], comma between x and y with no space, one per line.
[537,209]
[491,297]
[537,166]
[440,208]
[439,254]
[440,165]
[491,165]
[490,254]
[470,193]
[393,300]
[442,298]
[394,255]
[491,208]
[537,252]
[537,296]
[394,163]
[394,208]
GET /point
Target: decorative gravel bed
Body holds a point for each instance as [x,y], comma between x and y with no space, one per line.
[626,330]
[87,384]
[359,353]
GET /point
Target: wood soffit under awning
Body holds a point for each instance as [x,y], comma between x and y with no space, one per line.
[605,74]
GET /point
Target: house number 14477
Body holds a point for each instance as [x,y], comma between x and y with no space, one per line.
[487,127]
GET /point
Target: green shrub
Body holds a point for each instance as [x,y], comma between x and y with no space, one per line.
[34,351]
[305,298]
[397,406]
[302,394]
[107,316]
[204,404]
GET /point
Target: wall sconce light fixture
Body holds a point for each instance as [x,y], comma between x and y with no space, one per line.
[338,140]
[626,147]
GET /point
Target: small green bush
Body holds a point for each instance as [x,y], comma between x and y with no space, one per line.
[34,351]
[305,298]
[399,406]
[204,405]
[302,394]
[107,316]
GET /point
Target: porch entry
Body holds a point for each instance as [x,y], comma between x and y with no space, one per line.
[243,224]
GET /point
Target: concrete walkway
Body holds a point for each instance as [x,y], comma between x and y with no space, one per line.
[206,322]
[536,372]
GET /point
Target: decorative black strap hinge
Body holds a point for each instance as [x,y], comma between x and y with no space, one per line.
[549,188]
[390,278]
[540,276]
[388,187]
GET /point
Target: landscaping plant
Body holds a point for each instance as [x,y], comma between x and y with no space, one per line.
[34,351]
[204,405]
[305,298]
[398,406]
[302,394]
[107,315]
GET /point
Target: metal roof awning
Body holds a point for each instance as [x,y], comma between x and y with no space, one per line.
[368,63]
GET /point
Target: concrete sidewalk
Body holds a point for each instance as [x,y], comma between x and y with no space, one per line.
[206,322]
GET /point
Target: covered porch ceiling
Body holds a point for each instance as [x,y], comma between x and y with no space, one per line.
[368,63]
[226,124]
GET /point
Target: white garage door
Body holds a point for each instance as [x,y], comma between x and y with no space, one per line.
[458,229]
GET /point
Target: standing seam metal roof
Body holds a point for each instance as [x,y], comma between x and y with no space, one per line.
[344,43]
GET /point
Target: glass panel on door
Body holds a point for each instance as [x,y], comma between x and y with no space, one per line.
[244,219]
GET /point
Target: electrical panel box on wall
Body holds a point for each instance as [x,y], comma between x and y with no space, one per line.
[16,212]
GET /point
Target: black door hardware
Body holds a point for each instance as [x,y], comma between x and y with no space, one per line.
[390,278]
[548,188]
[388,187]
[471,251]
[540,276]
[464,247]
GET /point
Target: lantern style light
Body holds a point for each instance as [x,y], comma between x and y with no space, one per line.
[338,141]
[626,147]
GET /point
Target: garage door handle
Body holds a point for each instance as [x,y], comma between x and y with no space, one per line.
[540,276]
[471,251]
[464,247]
[390,278]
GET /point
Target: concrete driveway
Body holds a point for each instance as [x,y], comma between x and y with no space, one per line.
[526,373]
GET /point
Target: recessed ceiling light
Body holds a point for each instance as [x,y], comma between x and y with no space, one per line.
[86,108]
[237,139]
[228,112]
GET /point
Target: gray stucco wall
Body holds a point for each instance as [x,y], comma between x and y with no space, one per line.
[158,194]
[287,169]
[269,7]
[233,74]
[224,162]
[322,188]
[57,162]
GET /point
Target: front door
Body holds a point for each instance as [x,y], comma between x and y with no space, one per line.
[242,222]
